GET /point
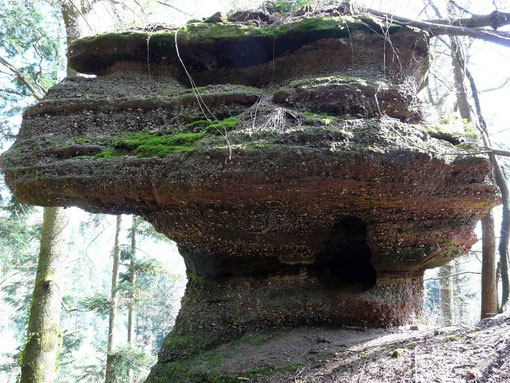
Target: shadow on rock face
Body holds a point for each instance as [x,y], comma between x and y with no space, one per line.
[345,258]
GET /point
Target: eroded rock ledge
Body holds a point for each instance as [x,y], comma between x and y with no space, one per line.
[297,178]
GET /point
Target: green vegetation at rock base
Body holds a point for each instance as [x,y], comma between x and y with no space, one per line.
[207,364]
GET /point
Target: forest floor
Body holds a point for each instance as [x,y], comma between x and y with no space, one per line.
[403,354]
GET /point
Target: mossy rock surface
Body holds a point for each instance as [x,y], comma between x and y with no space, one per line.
[254,44]
[287,160]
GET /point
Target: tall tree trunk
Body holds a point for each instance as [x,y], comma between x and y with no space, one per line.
[489,287]
[503,247]
[446,294]
[110,365]
[459,76]
[503,187]
[39,358]
[489,290]
[132,281]
[457,283]
[70,16]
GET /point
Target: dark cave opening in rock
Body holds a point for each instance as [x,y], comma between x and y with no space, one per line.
[345,257]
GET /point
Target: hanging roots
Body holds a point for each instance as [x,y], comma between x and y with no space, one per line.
[277,120]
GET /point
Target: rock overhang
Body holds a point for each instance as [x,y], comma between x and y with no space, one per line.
[229,44]
[308,175]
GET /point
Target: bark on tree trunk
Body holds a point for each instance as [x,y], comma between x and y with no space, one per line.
[503,187]
[503,253]
[489,287]
[110,365]
[39,358]
[132,281]
[459,76]
[446,294]
[457,282]
[70,16]
[489,290]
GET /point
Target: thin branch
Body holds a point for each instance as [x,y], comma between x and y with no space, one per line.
[459,27]
[97,236]
[12,91]
[436,9]
[81,14]
[67,309]
[39,72]
[173,7]
[497,152]
[460,8]
[22,78]
[452,275]
[9,277]
[497,87]
[494,20]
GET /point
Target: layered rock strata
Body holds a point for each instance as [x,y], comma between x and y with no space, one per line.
[296,175]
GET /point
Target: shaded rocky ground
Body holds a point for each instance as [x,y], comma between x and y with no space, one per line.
[401,354]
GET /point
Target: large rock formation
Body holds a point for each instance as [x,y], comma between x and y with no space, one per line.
[295,176]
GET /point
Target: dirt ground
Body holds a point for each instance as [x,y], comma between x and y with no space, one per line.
[403,354]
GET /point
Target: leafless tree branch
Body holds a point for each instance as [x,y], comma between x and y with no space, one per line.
[452,275]
[12,91]
[79,10]
[497,87]
[20,76]
[460,8]
[39,72]
[469,27]
[173,7]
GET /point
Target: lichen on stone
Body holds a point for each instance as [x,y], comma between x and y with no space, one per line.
[296,176]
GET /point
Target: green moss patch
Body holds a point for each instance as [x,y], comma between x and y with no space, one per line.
[317,118]
[444,132]
[160,145]
[151,145]
[213,127]
[340,80]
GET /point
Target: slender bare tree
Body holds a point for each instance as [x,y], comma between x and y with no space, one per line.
[110,357]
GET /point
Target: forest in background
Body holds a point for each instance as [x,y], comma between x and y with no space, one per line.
[33,42]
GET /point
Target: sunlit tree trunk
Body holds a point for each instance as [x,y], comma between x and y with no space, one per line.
[457,288]
[39,358]
[503,187]
[489,293]
[40,355]
[489,286]
[110,365]
[132,281]
[446,294]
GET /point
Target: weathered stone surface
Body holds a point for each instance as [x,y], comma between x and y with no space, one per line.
[297,179]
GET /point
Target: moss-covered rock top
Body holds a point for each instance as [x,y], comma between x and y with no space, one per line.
[253,43]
